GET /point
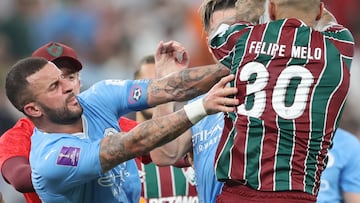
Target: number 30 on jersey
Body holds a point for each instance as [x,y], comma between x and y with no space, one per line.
[284,91]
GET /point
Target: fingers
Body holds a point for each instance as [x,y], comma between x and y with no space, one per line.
[170,47]
[221,98]
[224,81]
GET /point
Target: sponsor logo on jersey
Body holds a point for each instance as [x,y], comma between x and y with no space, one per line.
[68,156]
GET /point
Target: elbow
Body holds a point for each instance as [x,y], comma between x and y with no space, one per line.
[162,160]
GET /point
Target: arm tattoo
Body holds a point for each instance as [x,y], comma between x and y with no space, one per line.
[185,85]
[142,139]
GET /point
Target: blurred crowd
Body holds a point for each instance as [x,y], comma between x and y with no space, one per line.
[111,36]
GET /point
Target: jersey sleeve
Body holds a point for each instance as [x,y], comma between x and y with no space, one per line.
[63,162]
[16,141]
[224,41]
[121,96]
[342,39]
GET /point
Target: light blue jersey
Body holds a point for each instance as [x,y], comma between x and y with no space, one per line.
[205,138]
[66,167]
[342,173]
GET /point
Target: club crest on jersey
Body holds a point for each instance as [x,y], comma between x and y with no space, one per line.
[135,94]
[68,156]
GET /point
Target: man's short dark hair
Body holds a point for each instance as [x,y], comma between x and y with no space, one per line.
[208,7]
[149,59]
[17,86]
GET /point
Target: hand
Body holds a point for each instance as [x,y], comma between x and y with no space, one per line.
[170,57]
[220,97]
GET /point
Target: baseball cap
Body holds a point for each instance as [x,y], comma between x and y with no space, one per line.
[57,52]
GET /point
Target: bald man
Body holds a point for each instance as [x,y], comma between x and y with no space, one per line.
[292,83]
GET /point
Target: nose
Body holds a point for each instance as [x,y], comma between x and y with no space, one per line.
[66,85]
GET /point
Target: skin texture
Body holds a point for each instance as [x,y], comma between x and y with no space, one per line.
[247,10]
[172,151]
[56,108]
[307,11]
[16,170]
[350,197]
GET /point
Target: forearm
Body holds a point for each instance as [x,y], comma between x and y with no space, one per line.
[185,85]
[17,172]
[143,138]
[169,153]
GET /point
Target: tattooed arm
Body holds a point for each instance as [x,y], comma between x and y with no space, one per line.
[155,132]
[180,85]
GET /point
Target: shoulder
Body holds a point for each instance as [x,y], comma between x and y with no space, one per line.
[16,141]
[22,127]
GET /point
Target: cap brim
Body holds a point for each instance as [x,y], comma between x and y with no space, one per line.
[76,64]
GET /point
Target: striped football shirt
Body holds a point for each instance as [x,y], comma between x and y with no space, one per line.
[292,85]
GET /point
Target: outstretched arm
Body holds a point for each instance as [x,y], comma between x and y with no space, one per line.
[155,132]
[181,85]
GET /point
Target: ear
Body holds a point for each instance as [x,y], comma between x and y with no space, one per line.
[272,10]
[207,41]
[31,109]
[321,11]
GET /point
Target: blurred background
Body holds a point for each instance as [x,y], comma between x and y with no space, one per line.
[111,36]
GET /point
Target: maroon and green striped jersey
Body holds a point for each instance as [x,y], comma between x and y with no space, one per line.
[292,82]
[167,184]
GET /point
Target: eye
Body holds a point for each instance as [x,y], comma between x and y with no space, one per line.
[54,85]
[71,77]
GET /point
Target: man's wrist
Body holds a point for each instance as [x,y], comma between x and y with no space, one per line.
[195,111]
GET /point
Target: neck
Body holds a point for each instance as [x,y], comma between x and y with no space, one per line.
[308,19]
[50,127]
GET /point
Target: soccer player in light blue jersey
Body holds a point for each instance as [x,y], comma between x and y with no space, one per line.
[340,181]
[78,153]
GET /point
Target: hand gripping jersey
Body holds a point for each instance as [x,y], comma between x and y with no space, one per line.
[66,167]
[342,173]
[292,82]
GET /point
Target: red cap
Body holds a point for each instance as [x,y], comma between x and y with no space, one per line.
[56,52]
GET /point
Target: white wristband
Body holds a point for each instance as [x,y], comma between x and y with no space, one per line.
[195,111]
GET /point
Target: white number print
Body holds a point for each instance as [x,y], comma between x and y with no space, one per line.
[256,87]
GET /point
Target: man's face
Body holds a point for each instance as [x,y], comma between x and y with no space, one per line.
[73,77]
[55,94]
